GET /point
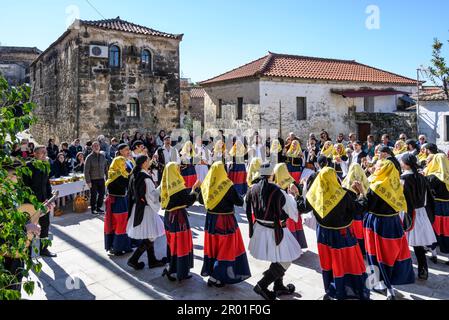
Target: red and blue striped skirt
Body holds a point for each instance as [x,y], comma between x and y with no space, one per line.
[115,223]
[237,174]
[179,243]
[387,249]
[357,230]
[297,229]
[441,225]
[295,172]
[189,175]
[225,257]
[344,271]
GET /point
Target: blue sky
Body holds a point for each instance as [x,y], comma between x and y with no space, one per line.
[223,34]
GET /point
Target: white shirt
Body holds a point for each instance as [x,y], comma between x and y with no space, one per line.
[171,155]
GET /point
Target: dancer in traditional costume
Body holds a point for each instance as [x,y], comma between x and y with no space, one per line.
[339,158]
[385,241]
[341,260]
[356,173]
[437,174]
[174,200]
[219,152]
[295,160]
[202,159]
[117,241]
[420,212]
[284,180]
[253,171]
[270,238]
[400,149]
[225,260]
[276,152]
[237,170]
[144,221]
[188,171]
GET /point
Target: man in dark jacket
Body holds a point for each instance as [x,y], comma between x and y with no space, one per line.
[39,184]
[95,171]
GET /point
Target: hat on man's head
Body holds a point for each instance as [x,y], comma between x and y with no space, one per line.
[266,169]
[122,146]
[136,144]
[167,138]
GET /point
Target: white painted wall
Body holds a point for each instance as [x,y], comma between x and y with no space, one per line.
[325,110]
[432,117]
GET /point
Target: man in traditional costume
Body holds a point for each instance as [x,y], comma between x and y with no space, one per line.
[225,260]
[270,238]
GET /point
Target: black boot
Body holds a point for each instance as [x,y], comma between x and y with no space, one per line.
[152,261]
[134,260]
[281,290]
[270,276]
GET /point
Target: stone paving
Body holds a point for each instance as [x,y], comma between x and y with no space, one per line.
[84,271]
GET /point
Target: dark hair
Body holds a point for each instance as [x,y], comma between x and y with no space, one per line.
[323,161]
[78,155]
[137,144]
[140,160]
[410,160]
[89,143]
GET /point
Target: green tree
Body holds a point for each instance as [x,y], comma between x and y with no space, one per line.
[15,117]
[439,71]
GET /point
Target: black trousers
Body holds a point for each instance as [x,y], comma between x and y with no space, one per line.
[97,194]
[44,222]
[420,253]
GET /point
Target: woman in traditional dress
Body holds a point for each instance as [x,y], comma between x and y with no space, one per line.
[117,241]
[225,260]
[339,158]
[328,150]
[237,170]
[187,166]
[400,149]
[175,198]
[219,152]
[276,152]
[284,180]
[356,173]
[253,171]
[341,260]
[144,222]
[437,174]
[420,212]
[385,241]
[295,160]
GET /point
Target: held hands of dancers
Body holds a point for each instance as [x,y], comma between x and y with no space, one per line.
[357,186]
[293,190]
[196,185]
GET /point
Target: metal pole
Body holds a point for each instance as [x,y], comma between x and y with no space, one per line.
[417,102]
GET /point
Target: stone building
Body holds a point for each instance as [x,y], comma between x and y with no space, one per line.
[434,116]
[192,100]
[305,94]
[106,77]
[15,64]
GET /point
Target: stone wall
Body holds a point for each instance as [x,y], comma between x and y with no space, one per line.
[85,98]
[390,123]
[15,63]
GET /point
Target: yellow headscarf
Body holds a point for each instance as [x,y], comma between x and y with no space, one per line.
[400,148]
[386,183]
[185,149]
[329,151]
[295,149]
[215,185]
[439,167]
[172,182]
[325,192]
[116,170]
[340,154]
[253,171]
[238,149]
[355,173]
[282,177]
[275,146]
[422,156]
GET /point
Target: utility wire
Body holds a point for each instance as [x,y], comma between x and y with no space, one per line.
[93,7]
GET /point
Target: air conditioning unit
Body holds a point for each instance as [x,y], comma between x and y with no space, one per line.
[99,51]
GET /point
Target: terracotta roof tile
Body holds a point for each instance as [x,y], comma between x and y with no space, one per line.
[197,93]
[122,25]
[301,67]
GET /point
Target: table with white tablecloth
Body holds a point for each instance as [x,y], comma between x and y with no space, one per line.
[69,189]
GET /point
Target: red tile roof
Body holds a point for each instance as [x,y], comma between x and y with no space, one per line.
[197,93]
[122,25]
[301,67]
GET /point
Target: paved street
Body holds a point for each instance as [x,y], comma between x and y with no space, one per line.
[78,241]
